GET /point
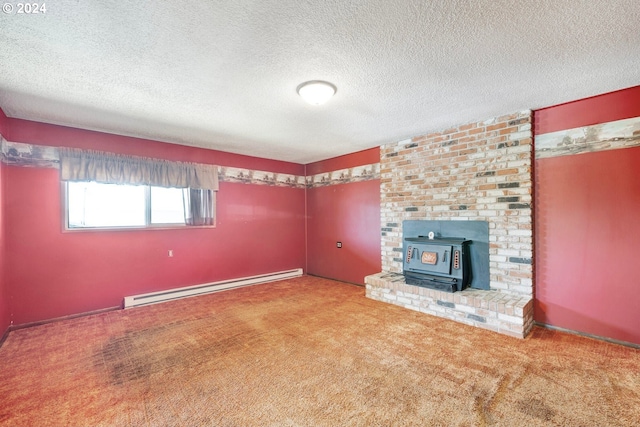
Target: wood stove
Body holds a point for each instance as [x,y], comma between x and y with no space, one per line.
[436,262]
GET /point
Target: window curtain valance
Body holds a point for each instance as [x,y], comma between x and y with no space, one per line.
[88,165]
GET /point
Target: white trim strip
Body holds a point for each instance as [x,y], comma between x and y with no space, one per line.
[189,291]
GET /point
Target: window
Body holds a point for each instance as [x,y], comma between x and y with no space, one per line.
[106,190]
[97,205]
[167,205]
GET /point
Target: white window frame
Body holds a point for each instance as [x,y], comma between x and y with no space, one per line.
[147,226]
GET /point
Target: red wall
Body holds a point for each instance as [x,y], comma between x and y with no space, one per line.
[586,226]
[359,158]
[51,273]
[5,313]
[45,134]
[609,107]
[348,213]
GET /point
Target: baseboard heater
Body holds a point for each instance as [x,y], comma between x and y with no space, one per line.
[207,288]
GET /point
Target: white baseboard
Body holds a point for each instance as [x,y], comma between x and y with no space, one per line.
[207,288]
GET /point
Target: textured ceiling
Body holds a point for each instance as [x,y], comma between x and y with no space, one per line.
[223,74]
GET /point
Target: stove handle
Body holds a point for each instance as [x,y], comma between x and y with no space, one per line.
[410,250]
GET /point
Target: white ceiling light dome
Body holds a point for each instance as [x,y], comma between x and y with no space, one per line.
[316,92]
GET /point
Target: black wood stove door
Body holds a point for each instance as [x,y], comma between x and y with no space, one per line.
[425,258]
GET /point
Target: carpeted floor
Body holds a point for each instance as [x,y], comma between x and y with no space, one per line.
[307,352]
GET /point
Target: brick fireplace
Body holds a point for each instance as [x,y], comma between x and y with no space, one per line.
[475,172]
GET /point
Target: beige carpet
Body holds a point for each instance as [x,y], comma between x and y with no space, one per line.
[307,352]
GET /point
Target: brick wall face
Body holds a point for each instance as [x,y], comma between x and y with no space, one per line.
[478,171]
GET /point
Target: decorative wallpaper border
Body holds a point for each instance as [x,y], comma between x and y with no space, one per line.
[29,155]
[606,136]
[345,176]
[248,176]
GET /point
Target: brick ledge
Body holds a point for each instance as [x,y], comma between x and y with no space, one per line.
[502,312]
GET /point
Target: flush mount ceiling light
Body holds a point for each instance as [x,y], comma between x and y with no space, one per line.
[316,92]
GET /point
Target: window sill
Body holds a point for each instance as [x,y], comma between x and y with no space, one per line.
[141,228]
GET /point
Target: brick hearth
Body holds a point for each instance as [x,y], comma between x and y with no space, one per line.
[509,314]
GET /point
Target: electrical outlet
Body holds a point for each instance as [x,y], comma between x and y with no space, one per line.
[338,244]
[170,253]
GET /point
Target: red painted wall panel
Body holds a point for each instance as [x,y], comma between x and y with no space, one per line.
[364,157]
[52,273]
[5,314]
[587,233]
[52,135]
[4,123]
[349,213]
[586,225]
[618,105]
